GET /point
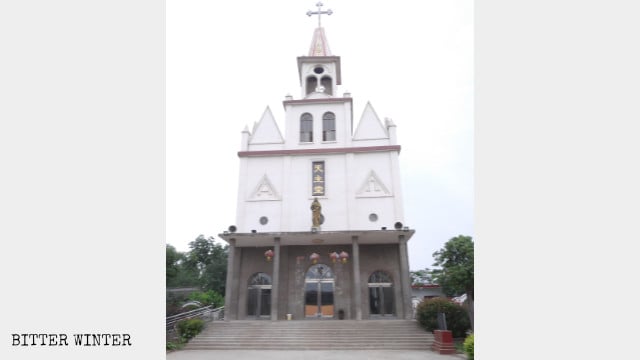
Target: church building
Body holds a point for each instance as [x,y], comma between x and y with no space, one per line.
[319,230]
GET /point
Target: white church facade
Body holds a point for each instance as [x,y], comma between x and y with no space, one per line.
[319,230]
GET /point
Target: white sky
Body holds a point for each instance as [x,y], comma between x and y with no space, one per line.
[413,60]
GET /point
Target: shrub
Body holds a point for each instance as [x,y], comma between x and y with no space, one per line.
[207,298]
[468,346]
[456,316]
[189,328]
[173,346]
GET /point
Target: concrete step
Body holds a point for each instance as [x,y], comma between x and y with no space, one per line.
[313,335]
[309,346]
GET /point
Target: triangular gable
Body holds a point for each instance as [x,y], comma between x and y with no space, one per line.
[373,187]
[264,191]
[266,131]
[370,127]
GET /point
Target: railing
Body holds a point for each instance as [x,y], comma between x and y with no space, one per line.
[207,313]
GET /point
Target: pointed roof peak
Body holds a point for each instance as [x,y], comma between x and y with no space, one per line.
[319,44]
[370,127]
[266,130]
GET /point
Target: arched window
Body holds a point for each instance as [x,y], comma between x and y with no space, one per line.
[327,84]
[260,279]
[380,277]
[306,128]
[319,272]
[380,294]
[312,84]
[328,126]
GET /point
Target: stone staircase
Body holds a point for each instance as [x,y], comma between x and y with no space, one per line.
[312,335]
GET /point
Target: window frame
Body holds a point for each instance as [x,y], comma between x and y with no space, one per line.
[329,127]
[306,128]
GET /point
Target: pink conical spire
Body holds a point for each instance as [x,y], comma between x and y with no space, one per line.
[319,44]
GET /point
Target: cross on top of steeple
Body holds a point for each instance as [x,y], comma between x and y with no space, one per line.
[319,12]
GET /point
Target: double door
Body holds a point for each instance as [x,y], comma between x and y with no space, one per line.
[318,299]
[318,292]
[380,299]
[259,301]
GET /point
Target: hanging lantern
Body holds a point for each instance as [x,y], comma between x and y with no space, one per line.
[344,256]
[268,254]
[334,256]
[314,258]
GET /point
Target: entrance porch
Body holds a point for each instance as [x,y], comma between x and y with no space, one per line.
[305,281]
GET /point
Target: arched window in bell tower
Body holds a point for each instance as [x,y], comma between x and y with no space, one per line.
[327,84]
[306,127]
[312,84]
[329,126]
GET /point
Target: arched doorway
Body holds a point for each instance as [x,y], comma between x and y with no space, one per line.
[259,296]
[380,294]
[318,292]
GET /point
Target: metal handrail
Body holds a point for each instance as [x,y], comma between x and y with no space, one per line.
[207,312]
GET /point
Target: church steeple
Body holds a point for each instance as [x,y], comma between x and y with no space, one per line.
[319,44]
[319,71]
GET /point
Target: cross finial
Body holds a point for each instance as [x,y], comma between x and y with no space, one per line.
[319,12]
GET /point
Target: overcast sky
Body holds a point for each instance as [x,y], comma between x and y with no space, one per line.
[413,60]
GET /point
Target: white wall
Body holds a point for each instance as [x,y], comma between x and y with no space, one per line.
[344,206]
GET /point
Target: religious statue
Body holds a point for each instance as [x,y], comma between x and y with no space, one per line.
[315,211]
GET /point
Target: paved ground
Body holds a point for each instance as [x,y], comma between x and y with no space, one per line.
[308,355]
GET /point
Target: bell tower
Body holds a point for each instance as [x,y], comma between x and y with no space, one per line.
[319,71]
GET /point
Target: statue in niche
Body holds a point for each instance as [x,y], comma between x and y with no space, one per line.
[316,209]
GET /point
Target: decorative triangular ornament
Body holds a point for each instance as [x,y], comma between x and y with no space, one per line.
[264,191]
[373,187]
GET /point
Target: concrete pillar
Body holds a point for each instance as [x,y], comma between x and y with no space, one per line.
[275,279]
[229,301]
[357,288]
[405,278]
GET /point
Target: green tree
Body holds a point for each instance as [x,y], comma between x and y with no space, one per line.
[200,254]
[178,274]
[209,261]
[173,258]
[209,297]
[455,273]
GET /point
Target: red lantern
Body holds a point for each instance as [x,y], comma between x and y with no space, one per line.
[344,256]
[268,254]
[314,258]
[334,256]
